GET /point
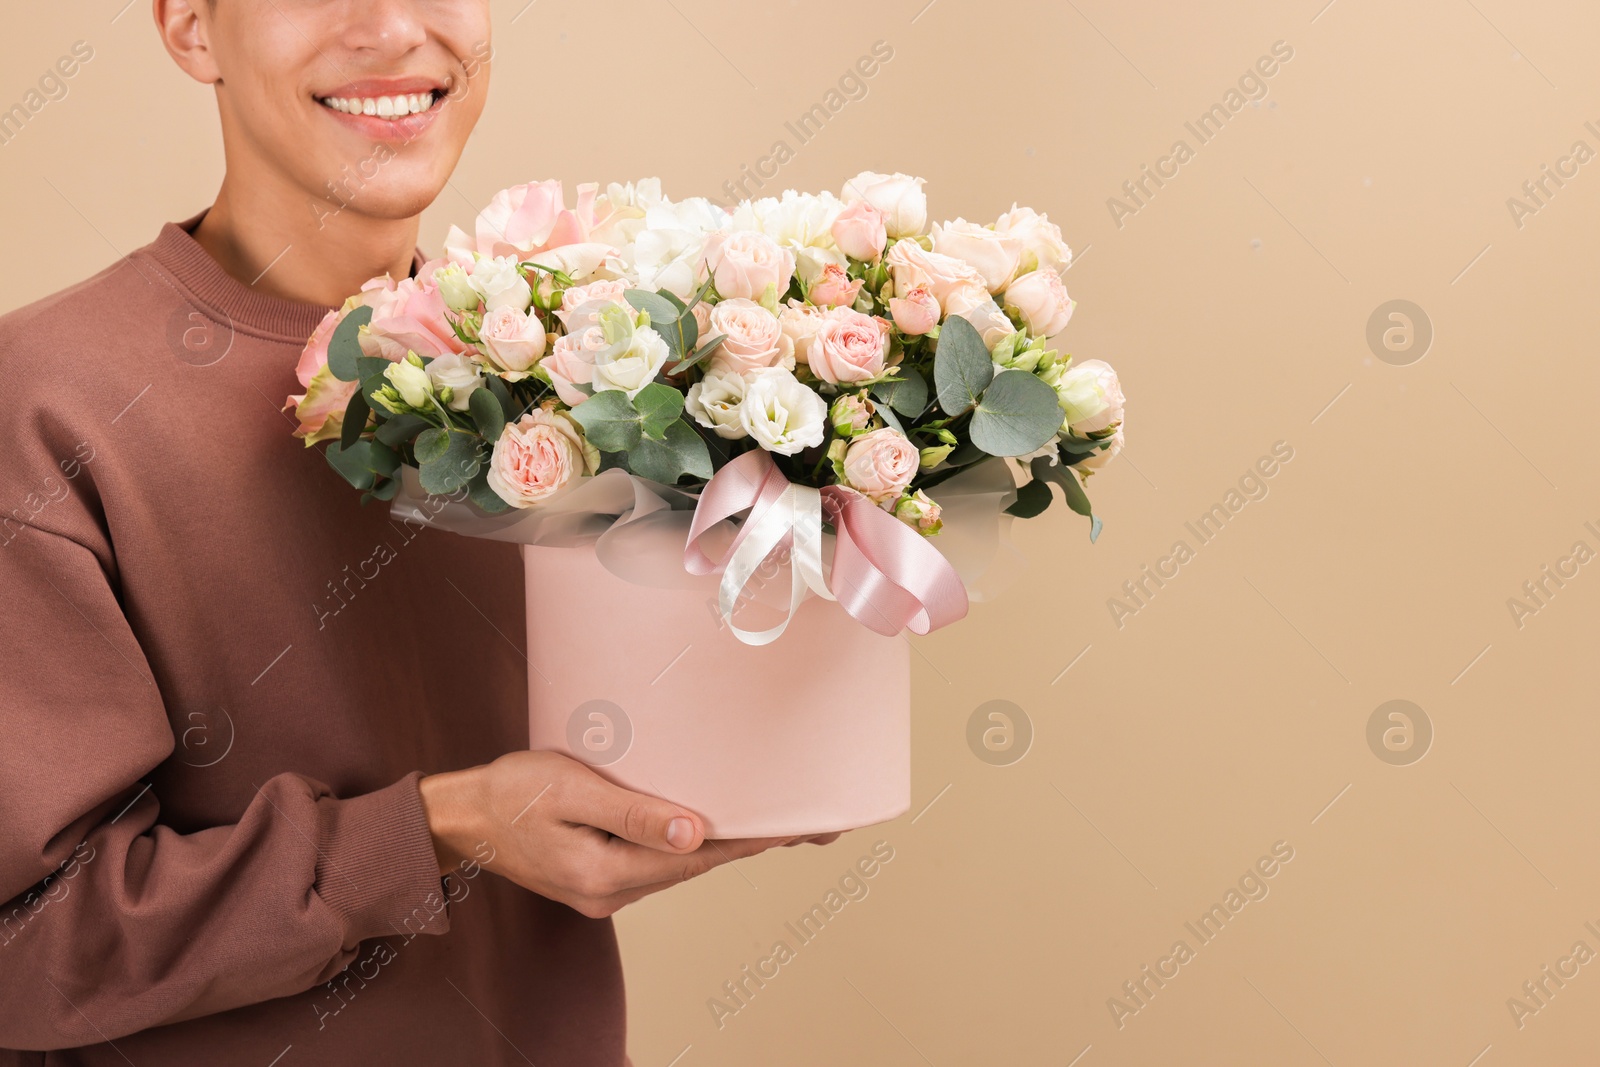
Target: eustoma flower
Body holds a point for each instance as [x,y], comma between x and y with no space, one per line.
[782,415]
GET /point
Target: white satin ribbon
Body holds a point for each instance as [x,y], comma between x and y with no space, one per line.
[796,517]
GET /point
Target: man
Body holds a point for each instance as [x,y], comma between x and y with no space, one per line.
[248,724]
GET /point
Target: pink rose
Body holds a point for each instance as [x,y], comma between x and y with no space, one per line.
[956,285]
[850,347]
[859,232]
[702,319]
[917,311]
[992,324]
[407,316]
[512,340]
[834,288]
[800,324]
[571,363]
[880,464]
[1042,301]
[754,338]
[602,292]
[746,262]
[537,455]
[530,218]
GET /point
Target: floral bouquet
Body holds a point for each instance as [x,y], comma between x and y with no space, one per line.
[762,382]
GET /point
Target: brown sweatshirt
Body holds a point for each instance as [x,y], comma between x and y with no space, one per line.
[220,678]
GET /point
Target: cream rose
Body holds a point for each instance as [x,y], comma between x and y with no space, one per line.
[1043,248]
[880,464]
[1042,301]
[783,415]
[800,323]
[859,232]
[897,197]
[1090,396]
[753,337]
[956,285]
[714,401]
[996,256]
[849,348]
[512,341]
[745,263]
[537,455]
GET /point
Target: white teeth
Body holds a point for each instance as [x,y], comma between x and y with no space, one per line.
[387,107]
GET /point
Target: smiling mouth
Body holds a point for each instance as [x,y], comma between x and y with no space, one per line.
[384,107]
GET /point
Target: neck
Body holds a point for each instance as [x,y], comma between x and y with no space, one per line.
[280,241]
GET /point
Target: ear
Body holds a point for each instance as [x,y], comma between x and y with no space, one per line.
[185,28]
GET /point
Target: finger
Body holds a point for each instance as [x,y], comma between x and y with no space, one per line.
[635,817]
[627,866]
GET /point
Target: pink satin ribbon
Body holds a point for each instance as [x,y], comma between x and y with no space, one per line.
[884,574]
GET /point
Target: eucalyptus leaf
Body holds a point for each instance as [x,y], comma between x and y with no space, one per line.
[609,421]
[344,348]
[962,368]
[480,493]
[701,353]
[1016,414]
[663,315]
[353,463]
[431,444]
[369,370]
[909,396]
[1046,469]
[658,405]
[451,469]
[508,407]
[886,413]
[487,414]
[681,451]
[385,490]
[396,431]
[355,419]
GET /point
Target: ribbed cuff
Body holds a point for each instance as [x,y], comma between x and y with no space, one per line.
[376,867]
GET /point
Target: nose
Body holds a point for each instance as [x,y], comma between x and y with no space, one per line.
[389,28]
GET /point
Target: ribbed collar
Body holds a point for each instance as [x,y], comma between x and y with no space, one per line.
[212,287]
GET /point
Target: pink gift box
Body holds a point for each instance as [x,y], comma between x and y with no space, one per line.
[808,734]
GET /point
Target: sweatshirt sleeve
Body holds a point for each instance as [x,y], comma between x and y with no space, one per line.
[114,922]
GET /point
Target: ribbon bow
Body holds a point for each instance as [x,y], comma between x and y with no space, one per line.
[884,574]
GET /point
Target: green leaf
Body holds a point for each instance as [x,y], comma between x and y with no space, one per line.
[1032,499]
[344,348]
[609,421]
[1083,445]
[1016,414]
[479,492]
[700,354]
[658,405]
[962,368]
[508,407]
[385,490]
[355,419]
[909,396]
[369,370]
[886,413]
[399,429]
[431,444]
[353,463]
[487,413]
[681,451]
[451,469]
[383,460]
[663,315]
[1066,477]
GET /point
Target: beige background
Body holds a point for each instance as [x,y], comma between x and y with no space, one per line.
[1231,711]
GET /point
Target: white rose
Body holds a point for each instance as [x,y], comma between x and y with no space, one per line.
[634,367]
[898,197]
[714,402]
[1042,301]
[456,373]
[783,415]
[496,279]
[1090,396]
[1041,239]
[456,288]
[669,252]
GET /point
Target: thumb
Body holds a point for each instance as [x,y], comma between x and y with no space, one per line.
[636,817]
